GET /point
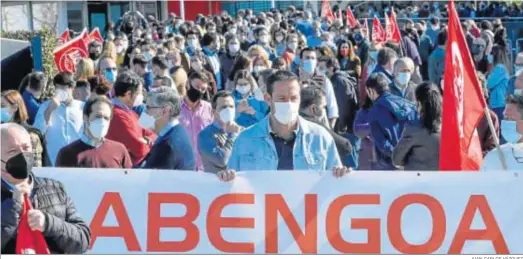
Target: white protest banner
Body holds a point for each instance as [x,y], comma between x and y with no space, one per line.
[289,212]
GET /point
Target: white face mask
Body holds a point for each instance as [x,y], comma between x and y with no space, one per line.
[99,128]
[196,66]
[509,131]
[286,112]
[227,115]
[234,48]
[192,43]
[264,39]
[258,69]
[292,46]
[138,100]
[518,70]
[233,30]
[403,78]
[243,89]
[518,92]
[279,38]
[62,95]
[146,121]
[258,95]
[119,49]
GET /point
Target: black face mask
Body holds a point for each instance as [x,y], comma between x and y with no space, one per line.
[194,94]
[20,165]
[94,55]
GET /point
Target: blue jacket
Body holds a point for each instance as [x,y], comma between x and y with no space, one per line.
[214,62]
[380,69]
[497,84]
[247,120]
[388,116]
[32,104]
[148,80]
[313,41]
[511,85]
[314,149]
[436,65]
[171,151]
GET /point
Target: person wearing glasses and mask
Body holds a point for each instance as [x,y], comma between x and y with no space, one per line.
[512,132]
[172,148]
[92,150]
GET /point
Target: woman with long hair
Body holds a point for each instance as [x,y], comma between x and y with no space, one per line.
[240,62]
[348,59]
[13,110]
[418,147]
[497,80]
[249,110]
[84,69]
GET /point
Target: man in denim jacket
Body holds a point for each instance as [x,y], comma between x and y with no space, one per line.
[283,140]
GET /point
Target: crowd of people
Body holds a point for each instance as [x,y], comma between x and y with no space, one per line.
[280,90]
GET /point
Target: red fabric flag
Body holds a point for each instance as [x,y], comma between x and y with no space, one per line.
[378,33]
[326,11]
[393,31]
[64,37]
[460,146]
[96,35]
[67,55]
[27,240]
[351,20]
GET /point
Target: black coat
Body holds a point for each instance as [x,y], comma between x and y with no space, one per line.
[65,232]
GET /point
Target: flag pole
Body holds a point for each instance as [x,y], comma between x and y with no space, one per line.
[496,139]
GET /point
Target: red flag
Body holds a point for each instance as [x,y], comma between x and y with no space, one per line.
[351,21]
[27,240]
[67,55]
[96,35]
[326,10]
[64,37]
[460,146]
[392,29]
[378,33]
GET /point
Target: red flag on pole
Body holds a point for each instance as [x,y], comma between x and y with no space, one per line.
[460,146]
[96,35]
[27,240]
[378,33]
[351,20]
[64,37]
[393,31]
[67,55]
[326,10]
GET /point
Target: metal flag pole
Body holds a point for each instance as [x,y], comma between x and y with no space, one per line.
[496,139]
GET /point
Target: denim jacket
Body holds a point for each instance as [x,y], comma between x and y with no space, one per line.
[314,149]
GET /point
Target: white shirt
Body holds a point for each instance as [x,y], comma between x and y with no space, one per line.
[65,126]
[511,152]
[332,104]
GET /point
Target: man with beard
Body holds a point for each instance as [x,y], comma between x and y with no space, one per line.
[95,51]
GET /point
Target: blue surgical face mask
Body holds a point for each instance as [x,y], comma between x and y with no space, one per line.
[509,131]
[6,116]
[309,65]
[110,76]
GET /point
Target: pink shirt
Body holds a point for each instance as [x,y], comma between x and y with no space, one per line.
[194,121]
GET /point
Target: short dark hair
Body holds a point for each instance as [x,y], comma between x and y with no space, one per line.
[126,81]
[208,38]
[385,55]
[280,75]
[65,79]
[83,84]
[99,85]
[160,62]
[442,37]
[378,82]
[198,75]
[306,49]
[220,94]
[88,107]
[311,95]
[37,81]
[330,62]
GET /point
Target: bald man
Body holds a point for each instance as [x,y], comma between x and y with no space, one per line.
[53,211]
[402,84]
[515,84]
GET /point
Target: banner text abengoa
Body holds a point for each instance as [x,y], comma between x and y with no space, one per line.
[305,237]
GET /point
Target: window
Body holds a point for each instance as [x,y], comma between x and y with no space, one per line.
[45,15]
[74,16]
[15,16]
[149,9]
